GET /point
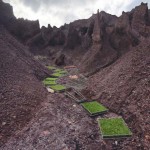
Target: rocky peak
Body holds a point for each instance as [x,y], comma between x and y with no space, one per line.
[140,19]
[20,28]
[6,13]
[73,38]
[96,36]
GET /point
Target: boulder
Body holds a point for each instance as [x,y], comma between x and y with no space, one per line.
[60,60]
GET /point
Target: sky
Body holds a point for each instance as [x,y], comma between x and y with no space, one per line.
[59,12]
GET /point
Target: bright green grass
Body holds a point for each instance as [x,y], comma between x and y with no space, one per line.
[113,127]
[58,87]
[50,79]
[51,67]
[58,70]
[49,82]
[94,107]
[57,75]
[61,71]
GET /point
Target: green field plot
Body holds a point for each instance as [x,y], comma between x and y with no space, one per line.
[58,88]
[51,67]
[50,79]
[61,71]
[57,75]
[113,127]
[49,82]
[94,108]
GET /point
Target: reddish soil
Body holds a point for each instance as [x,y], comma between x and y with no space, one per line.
[124,88]
[114,52]
[21,92]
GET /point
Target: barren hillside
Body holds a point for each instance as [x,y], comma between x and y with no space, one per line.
[111,53]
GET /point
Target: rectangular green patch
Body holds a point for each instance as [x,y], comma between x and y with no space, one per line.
[50,79]
[49,82]
[60,71]
[58,87]
[51,67]
[94,108]
[57,75]
[113,127]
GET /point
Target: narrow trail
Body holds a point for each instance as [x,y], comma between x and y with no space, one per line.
[60,124]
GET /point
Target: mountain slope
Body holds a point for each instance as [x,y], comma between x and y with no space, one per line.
[124,87]
[114,53]
[21,91]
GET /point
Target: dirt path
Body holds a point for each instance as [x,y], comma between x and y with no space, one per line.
[60,124]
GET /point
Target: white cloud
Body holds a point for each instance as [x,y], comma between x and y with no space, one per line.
[58,12]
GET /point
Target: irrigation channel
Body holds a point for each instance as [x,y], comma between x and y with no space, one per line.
[70,82]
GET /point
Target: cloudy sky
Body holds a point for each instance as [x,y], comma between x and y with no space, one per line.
[58,12]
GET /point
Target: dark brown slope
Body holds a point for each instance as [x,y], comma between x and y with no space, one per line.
[21,91]
[124,88]
[115,48]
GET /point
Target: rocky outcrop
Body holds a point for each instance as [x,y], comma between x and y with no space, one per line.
[57,38]
[148,18]
[24,29]
[20,28]
[46,37]
[97,35]
[60,60]
[6,13]
[114,37]
[100,54]
[113,51]
[91,43]
[73,39]
[140,19]
[123,36]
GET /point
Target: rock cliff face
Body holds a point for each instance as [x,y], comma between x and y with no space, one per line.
[139,20]
[95,42]
[6,13]
[22,29]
